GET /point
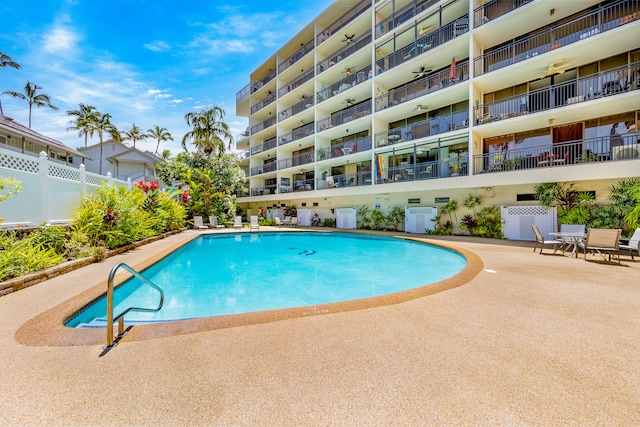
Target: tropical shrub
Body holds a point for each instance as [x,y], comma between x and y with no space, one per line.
[20,257]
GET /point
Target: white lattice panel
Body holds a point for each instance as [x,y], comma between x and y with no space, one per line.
[526,210]
[419,219]
[64,173]
[94,179]
[517,221]
[10,161]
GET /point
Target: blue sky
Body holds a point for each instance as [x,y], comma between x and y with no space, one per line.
[147,62]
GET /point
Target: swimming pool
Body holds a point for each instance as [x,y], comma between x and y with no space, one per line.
[220,274]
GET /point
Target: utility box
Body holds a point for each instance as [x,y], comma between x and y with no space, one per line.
[346,218]
[304,217]
[517,220]
[419,219]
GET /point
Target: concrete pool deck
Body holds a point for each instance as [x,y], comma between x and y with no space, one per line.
[530,340]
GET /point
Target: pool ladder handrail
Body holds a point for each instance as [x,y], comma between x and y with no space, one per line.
[120,317]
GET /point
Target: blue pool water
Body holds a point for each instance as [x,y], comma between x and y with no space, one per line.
[247,272]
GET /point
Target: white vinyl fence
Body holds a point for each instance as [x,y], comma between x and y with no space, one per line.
[50,191]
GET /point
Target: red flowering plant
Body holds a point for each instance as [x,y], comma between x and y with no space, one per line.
[184,198]
[152,191]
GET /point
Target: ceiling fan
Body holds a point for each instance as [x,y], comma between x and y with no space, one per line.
[348,70]
[554,68]
[422,72]
[348,38]
[349,102]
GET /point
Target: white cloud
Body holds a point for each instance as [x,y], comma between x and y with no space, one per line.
[60,40]
[157,46]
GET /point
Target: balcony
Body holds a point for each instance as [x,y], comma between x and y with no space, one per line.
[345,180]
[580,28]
[590,150]
[345,52]
[296,108]
[429,84]
[265,168]
[346,148]
[265,146]
[297,55]
[583,89]
[494,9]
[344,116]
[295,83]
[297,133]
[266,101]
[345,84]
[343,20]
[424,44]
[301,159]
[430,127]
[402,15]
[266,79]
[267,189]
[264,125]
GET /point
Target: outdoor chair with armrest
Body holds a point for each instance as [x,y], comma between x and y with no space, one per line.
[254,223]
[540,240]
[213,222]
[198,224]
[237,222]
[603,241]
[633,244]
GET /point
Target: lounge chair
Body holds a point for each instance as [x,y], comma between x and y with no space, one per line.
[237,222]
[540,240]
[294,221]
[277,220]
[198,224]
[603,241]
[633,244]
[287,220]
[213,222]
[254,223]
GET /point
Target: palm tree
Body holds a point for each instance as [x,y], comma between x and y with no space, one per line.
[160,135]
[6,61]
[102,125]
[29,95]
[209,131]
[84,117]
[166,154]
[134,134]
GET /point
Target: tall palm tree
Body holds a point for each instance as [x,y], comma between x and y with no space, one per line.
[84,117]
[209,131]
[102,125]
[160,135]
[166,154]
[6,61]
[134,134]
[29,95]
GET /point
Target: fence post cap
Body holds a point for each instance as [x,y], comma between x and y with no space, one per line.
[43,155]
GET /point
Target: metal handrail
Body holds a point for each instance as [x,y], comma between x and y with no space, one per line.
[120,317]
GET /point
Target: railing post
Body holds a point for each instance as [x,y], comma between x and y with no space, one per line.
[43,169]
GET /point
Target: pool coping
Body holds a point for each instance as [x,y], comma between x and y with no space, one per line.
[47,328]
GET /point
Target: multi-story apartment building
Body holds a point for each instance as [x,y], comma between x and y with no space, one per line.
[411,102]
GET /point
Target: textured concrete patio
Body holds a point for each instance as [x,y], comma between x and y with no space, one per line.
[529,340]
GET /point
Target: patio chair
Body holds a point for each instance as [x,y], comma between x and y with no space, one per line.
[540,240]
[237,222]
[287,220]
[277,220]
[633,244]
[603,241]
[254,223]
[213,222]
[198,223]
[294,221]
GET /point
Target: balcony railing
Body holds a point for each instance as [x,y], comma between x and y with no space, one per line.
[348,114]
[304,185]
[242,136]
[296,83]
[495,9]
[296,108]
[261,191]
[590,150]
[402,15]
[345,52]
[301,159]
[297,133]
[424,44]
[297,56]
[347,83]
[344,149]
[242,93]
[261,126]
[429,84]
[351,14]
[266,101]
[267,145]
[422,171]
[607,83]
[583,27]
[266,79]
[432,126]
[345,180]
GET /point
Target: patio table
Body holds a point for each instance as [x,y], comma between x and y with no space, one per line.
[571,238]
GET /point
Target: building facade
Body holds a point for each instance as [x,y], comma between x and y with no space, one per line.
[414,102]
